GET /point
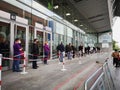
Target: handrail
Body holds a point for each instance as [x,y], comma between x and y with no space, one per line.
[100,76]
[97,81]
[86,83]
[106,63]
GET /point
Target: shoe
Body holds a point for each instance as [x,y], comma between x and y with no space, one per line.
[14,70]
[19,71]
[34,68]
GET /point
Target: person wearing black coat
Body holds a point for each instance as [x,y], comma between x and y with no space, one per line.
[69,51]
[61,49]
[35,52]
[81,50]
[73,50]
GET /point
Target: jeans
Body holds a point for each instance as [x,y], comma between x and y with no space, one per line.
[46,57]
[69,55]
[61,57]
[34,63]
[16,64]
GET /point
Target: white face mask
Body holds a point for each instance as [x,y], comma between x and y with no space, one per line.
[19,41]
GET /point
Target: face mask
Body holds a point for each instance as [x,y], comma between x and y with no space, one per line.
[19,41]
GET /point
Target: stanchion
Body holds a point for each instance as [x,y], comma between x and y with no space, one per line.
[0,69]
[63,69]
[24,65]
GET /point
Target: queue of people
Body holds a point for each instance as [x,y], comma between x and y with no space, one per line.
[69,50]
[18,50]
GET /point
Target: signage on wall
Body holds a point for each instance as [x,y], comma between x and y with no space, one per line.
[105,38]
[105,45]
[47,28]
[13,16]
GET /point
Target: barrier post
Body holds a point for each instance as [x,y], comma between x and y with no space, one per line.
[0,69]
[24,65]
[63,67]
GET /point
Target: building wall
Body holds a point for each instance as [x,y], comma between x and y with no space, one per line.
[28,31]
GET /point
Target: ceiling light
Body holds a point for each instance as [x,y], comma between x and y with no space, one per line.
[56,7]
[75,20]
[85,28]
[81,25]
[68,14]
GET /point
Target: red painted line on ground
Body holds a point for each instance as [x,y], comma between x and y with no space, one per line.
[73,76]
[0,82]
[84,78]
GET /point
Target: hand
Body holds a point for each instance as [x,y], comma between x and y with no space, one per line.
[21,49]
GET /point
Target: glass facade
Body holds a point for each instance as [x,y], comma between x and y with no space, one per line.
[27,14]
[5,42]
[91,40]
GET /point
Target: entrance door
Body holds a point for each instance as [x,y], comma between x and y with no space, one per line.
[39,36]
[21,31]
[5,42]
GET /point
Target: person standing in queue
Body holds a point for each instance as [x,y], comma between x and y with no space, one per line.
[35,52]
[73,51]
[61,49]
[80,50]
[46,52]
[17,51]
[69,54]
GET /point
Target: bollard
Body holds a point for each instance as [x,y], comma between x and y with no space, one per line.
[0,69]
[63,68]
[24,65]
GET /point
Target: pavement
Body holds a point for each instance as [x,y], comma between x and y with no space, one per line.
[50,77]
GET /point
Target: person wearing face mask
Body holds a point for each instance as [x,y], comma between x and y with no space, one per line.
[17,51]
[35,52]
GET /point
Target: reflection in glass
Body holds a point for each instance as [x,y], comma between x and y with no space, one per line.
[5,42]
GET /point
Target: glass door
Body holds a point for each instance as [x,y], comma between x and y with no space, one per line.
[21,32]
[31,38]
[39,36]
[5,43]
